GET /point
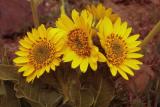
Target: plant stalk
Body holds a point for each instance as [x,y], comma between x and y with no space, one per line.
[151,34]
[98,93]
[63,86]
[62,8]
[34,13]
[157,93]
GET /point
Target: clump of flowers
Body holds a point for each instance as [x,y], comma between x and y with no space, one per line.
[41,50]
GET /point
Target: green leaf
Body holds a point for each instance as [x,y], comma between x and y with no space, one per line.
[105,93]
[8,72]
[2,88]
[137,103]
[37,2]
[100,86]
[74,89]
[33,104]
[87,98]
[37,92]
[9,99]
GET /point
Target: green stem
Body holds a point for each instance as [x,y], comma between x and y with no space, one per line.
[64,86]
[34,13]
[151,34]
[98,93]
[157,91]
[62,7]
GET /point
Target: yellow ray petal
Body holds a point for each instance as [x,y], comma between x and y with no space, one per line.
[108,28]
[60,25]
[100,27]
[84,65]
[25,44]
[133,38]
[31,77]
[76,62]
[40,72]
[117,26]
[48,68]
[58,37]
[123,74]
[93,66]
[123,29]
[53,67]
[75,17]
[52,33]
[42,31]
[28,71]
[59,46]
[133,61]
[26,39]
[127,33]
[23,68]
[67,22]
[21,60]
[127,70]
[135,49]
[22,53]
[88,18]
[31,37]
[23,49]
[68,57]
[134,44]
[101,57]
[35,34]
[93,63]
[108,12]
[58,54]
[56,62]
[113,70]
[134,55]
[133,64]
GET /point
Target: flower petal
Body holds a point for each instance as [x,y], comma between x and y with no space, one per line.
[101,57]
[22,53]
[28,71]
[117,26]
[123,29]
[113,70]
[40,72]
[127,33]
[134,55]
[24,68]
[127,70]
[84,65]
[31,77]
[76,62]
[25,44]
[108,28]
[21,60]
[123,74]
[133,64]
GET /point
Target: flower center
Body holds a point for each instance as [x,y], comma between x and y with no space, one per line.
[116,49]
[78,42]
[42,54]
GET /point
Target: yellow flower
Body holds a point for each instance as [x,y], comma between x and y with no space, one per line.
[78,46]
[121,49]
[38,52]
[99,12]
